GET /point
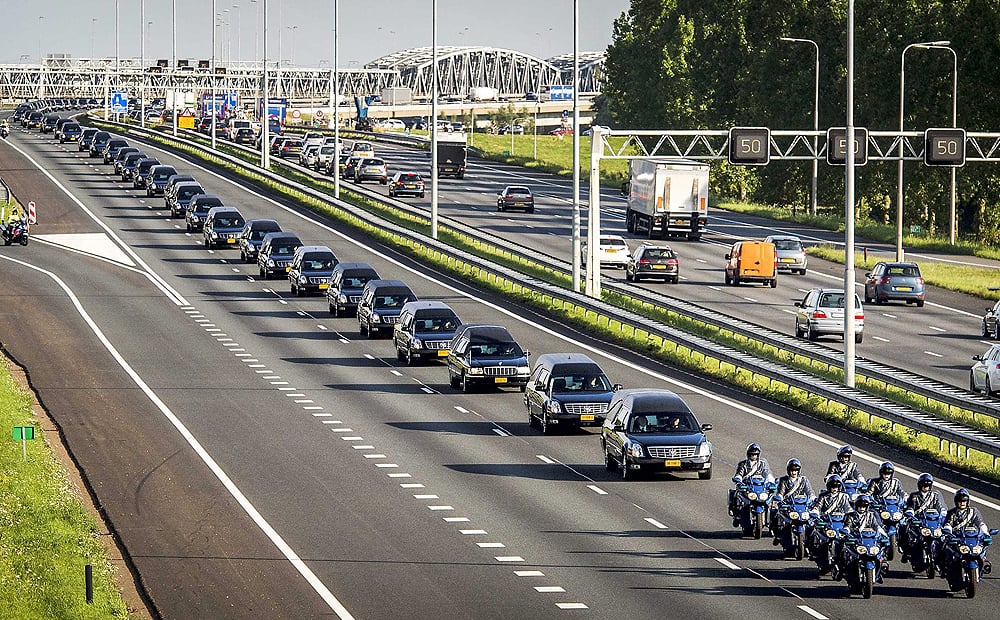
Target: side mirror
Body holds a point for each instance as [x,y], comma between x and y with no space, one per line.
[770,486]
[994,532]
[778,498]
[798,304]
[618,428]
[909,513]
[728,256]
[616,387]
[978,358]
[868,275]
[706,427]
[737,479]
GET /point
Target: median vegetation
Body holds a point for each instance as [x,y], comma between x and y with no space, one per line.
[47,538]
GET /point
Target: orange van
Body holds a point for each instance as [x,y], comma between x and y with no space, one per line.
[752,261]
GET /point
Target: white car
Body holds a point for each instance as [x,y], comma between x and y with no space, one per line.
[790,253]
[821,313]
[985,374]
[393,124]
[612,251]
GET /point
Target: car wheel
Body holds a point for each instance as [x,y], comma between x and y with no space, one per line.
[499,206]
[609,461]
[261,274]
[729,279]
[810,334]
[626,474]
[452,380]
[675,279]
[464,384]
[858,338]
[705,475]
[972,383]
[188,227]
[530,210]
[798,332]
[399,355]
[920,303]
[987,388]
[410,360]
[546,427]
[774,282]
[984,331]
[334,310]
[421,194]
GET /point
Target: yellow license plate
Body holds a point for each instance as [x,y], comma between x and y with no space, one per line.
[323,287]
[788,260]
[672,463]
[287,269]
[500,380]
[442,352]
[610,251]
[904,288]
[659,266]
[230,240]
[586,418]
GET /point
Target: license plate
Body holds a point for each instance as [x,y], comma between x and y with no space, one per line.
[587,417]
[442,352]
[287,269]
[788,260]
[411,187]
[672,463]
[230,240]
[518,204]
[500,380]
[659,266]
[323,287]
[904,288]
[610,251]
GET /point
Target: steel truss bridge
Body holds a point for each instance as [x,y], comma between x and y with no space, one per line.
[783,145]
[460,69]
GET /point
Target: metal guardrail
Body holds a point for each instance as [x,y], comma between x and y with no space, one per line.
[871,405]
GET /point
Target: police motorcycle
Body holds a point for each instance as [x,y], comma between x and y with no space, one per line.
[4,130]
[753,497]
[14,232]
[863,561]
[853,489]
[925,535]
[793,522]
[963,558]
[890,510]
[823,542]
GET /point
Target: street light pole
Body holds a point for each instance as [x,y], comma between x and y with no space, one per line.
[239,38]
[142,63]
[952,223]
[899,167]
[215,116]
[849,284]
[93,37]
[265,129]
[173,64]
[575,243]
[41,63]
[335,101]
[815,163]
[434,135]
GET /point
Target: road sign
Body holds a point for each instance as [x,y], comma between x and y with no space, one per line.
[32,217]
[749,146]
[24,433]
[944,147]
[232,101]
[119,102]
[836,146]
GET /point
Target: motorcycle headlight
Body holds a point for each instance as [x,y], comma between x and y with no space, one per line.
[475,371]
[303,280]
[762,497]
[377,319]
[794,516]
[873,550]
[635,450]
[897,516]
[555,407]
[861,549]
[964,549]
[805,516]
[937,532]
[924,531]
[752,495]
[978,549]
[831,533]
[885,514]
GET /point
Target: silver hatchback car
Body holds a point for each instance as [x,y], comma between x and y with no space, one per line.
[790,254]
[985,373]
[821,313]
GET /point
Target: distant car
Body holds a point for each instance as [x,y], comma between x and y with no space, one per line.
[517,130]
[424,331]
[324,156]
[112,147]
[182,195]
[791,255]
[654,430]
[120,156]
[86,137]
[612,250]
[371,169]
[393,124]
[141,172]
[49,123]
[821,313]
[347,171]
[222,227]
[985,373]
[486,355]
[651,260]
[70,132]
[363,149]
[991,322]
[130,164]
[98,143]
[244,135]
[308,155]
[516,197]
[347,282]
[291,146]
[252,236]
[310,269]
[888,281]
[561,131]
[408,183]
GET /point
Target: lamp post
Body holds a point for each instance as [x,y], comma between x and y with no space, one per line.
[815,163]
[952,223]
[142,64]
[899,168]
[291,53]
[335,100]
[256,31]
[173,54]
[41,63]
[215,116]
[433,128]
[93,37]
[236,9]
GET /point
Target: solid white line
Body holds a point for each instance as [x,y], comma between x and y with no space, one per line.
[365,447]
[545,459]
[571,606]
[655,523]
[812,612]
[501,432]
[529,573]
[396,372]
[206,458]
[937,329]
[548,589]
[727,563]
[427,390]
[461,410]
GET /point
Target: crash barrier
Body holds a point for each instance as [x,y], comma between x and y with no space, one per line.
[958,439]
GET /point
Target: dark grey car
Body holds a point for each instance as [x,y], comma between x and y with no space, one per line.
[889,281]
[424,331]
[567,390]
[347,282]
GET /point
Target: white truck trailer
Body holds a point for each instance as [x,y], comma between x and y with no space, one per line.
[667,197]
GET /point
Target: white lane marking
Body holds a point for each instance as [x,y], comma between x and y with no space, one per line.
[374,455]
[295,395]
[501,432]
[272,377]
[396,372]
[230,344]
[461,410]
[97,245]
[424,389]
[456,519]
[411,485]
[425,496]
[750,299]
[281,389]
[330,422]
[472,532]
[529,573]
[353,438]
[304,400]
[571,606]
[363,447]
[509,558]
[491,545]
[812,612]
[283,302]
[387,465]
[279,383]
[206,458]
[545,459]
[727,563]
[399,475]
[933,354]
[316,408]
[937,329]
[597,489]
[880,338]
[257,365]
[548,589]
[655,523]
[323,327]
[441,507]
[888,316]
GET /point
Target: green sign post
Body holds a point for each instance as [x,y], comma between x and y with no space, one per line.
[24,434]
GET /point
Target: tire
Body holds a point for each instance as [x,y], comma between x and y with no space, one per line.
[544,423]
[531,210]
[920,303]
[729,279]
[467,387]
[609,461]
[890,553]
[399,355]
[971,581]
[24,241]
[931,569]
[334,310]
[812,336]
[410,360]
[758,524]
[531,418]
[987,388]
[858,338]
[421,194]
[630,222]
[452,380]
[800,546]
[705,475]
[626,474]
[628,276]
[798,332]
[867,582]
[499,208]
[774,282]
[972,383]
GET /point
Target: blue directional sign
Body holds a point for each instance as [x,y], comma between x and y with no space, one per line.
[119,102]
[232,101]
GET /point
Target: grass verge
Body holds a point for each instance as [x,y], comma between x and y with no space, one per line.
[46,535]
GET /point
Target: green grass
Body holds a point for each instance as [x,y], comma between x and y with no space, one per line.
[46,535]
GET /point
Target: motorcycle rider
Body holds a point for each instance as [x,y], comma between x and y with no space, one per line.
[886,485]
[845,467]
[923,499]
[964,515]
[831,501]
[753,465]
[859,519]
[790,485]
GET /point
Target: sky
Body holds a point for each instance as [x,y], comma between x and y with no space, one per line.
[369,30]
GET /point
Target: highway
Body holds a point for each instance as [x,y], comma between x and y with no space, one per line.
[272,463]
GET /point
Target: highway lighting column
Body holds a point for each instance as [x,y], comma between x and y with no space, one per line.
[597,133]
[576,160]
[173,64]
[142,63]
[118,74]
[265,129]
[952,223]
[335,99]
[213,79]
[239,54]
[41,63]
[815,163]
[434,114]
[899,168]
[93,37]
[849,285]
